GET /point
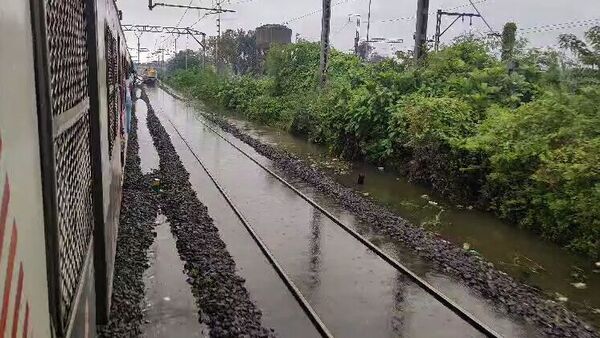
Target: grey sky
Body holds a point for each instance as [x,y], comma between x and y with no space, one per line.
[253,13]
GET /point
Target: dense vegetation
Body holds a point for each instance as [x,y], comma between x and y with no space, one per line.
[519,135]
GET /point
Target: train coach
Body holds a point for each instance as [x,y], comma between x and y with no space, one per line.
[63,133]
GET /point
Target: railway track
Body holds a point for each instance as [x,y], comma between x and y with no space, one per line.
[312,315]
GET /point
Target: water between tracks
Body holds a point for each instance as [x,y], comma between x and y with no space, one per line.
[352,290]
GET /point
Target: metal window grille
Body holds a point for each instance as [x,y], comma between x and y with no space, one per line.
[112,87]
[67,38]
[68,67]
[75,218]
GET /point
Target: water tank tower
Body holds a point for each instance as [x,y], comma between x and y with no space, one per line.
[267,35]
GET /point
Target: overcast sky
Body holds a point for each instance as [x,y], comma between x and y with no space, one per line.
[392,19]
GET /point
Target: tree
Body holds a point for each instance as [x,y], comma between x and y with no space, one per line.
[237,49]
[184,59]
[587,53]
[376,58]
[364,50]
[508,40]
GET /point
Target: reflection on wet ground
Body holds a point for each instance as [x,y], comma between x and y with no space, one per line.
[148,155]
[353,291]
[170,309]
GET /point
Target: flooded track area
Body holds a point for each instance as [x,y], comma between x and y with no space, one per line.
[353,291]
[280,311]
[525,256]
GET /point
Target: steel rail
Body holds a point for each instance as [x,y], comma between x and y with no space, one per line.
[447,302]
[310,312]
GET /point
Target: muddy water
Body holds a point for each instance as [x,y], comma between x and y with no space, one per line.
[523,255]
[352,290]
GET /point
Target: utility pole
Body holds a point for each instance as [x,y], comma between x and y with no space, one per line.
[185,50]
[138,49]
[204,52]
[421,29]
[438,28]
[138,35]
[325,30]
[369,21]
[357,36]
[218,35]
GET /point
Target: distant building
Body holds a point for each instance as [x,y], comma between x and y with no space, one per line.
[267,35]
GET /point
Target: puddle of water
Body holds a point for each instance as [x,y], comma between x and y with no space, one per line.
[516,251]
[170,308]
[352,290]
[148,155]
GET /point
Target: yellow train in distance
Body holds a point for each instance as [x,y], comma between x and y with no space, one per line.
[149,76]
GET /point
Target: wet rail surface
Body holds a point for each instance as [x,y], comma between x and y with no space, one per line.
[353,291]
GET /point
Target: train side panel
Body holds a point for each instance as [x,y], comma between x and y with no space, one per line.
[62,142]
[109,40]
[23,278]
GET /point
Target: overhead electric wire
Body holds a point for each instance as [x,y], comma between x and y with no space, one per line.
[412,17]
[315,11]
[341,28]
[184,13]
[482,17]
[242,2]
[162,42]
[558,26]
[200,19]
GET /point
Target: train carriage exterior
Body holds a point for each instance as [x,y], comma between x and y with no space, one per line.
[62,141]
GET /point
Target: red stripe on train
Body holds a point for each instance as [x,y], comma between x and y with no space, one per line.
[4,212]
[8,279]
[15,320]
[26,322]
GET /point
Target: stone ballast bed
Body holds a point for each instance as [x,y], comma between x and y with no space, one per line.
[139,207]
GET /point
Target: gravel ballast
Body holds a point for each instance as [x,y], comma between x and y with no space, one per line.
[139,207]
[224,302]
[519,300]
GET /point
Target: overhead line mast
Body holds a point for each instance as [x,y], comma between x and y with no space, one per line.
[220,10]
[213,10]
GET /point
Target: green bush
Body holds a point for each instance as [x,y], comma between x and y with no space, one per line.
[544,170]
[523,143]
